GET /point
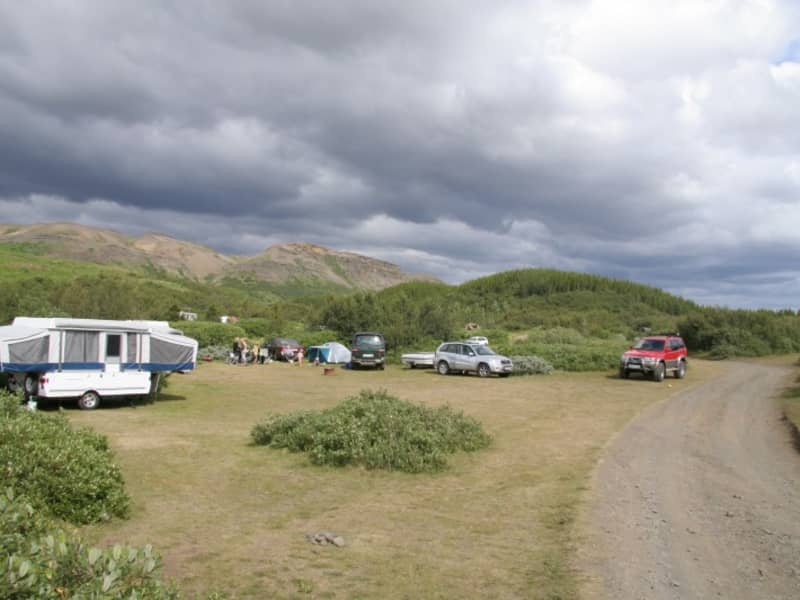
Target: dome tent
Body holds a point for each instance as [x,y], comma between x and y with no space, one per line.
[329,352]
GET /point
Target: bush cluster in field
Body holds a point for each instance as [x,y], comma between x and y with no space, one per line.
[43,560]
[531,365]
[376,430]
[67,472]
[568,350]
[54,475]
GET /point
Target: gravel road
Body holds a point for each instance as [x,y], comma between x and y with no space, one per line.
[699,497]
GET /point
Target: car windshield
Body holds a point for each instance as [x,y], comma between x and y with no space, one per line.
[647,344]
[373,340]
[483,350]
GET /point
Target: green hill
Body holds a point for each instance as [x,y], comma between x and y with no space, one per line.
[575,321]
[35,284]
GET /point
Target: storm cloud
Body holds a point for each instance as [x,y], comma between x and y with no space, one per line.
[658,142]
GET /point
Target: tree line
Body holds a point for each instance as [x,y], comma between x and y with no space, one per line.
[413,314]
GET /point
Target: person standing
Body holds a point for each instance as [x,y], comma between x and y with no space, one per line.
[237,350]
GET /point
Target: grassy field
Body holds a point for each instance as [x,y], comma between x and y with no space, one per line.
[791,405]
[233,517]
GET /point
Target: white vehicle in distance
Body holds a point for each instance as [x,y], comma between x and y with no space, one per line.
[465,357]
[417,359]
[478,339]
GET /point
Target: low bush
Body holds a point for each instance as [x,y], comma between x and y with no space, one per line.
[377,431]
[531,365]
[43,560]
[64,471]
[215,352]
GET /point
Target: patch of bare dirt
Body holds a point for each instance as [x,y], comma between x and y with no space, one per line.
[699,497]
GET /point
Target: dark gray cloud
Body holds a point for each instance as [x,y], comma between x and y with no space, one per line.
[657,142]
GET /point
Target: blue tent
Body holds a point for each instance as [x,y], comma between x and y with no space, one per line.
[330,352]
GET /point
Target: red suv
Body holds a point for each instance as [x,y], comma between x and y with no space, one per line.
[655,356]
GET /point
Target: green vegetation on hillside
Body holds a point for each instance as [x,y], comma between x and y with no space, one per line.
[725,333]
[574,321]
[36,285]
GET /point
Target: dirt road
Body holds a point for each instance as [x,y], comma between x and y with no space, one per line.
[699,498]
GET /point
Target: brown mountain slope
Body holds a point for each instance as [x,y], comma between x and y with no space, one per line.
[300,260]
[277,264]
[79,242]
[175,255]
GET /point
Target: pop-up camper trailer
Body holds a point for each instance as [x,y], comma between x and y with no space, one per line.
[91,358]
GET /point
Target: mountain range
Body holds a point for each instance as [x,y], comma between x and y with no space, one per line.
[313,265]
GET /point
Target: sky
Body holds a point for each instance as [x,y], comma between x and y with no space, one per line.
[657,142]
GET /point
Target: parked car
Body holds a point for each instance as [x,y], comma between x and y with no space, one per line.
[280,348]
[470,357]
[478,339]
[655,356]
[368,350]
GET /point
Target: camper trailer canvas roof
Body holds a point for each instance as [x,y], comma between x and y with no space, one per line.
[94,324]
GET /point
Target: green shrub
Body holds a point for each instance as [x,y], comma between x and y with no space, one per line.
[255,328]
[42,560]
[375,430]
[66,472]
[531,365]
[210,333]
[727,333]
[568,350]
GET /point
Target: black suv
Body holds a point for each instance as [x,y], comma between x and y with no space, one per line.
[368,350]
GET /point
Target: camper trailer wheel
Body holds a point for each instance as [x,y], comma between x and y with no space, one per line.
[31,384]
[89,401]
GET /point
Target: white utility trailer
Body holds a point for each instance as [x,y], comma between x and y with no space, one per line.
[417,359]
[91,358]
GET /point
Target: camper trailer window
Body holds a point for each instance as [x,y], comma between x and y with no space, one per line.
[133,356]
[169,356]
[113,346]
[81,346]
[29,352]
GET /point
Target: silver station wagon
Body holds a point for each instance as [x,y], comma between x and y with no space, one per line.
[468,357]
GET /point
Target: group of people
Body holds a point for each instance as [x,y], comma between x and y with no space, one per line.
[245,354]
[295,358]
